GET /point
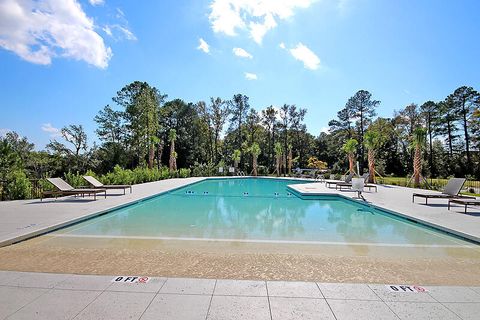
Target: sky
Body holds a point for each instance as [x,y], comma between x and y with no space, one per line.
[61,61]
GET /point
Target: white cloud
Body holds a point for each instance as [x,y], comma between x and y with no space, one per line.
[119,32]
[305,55]
[250,76]
[203,46]
[4,131]
[38,31]
[256,16]
[239,52]
[54,132]
[96,2]
[282,45]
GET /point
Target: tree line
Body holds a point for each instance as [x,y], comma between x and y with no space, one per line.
[142,128]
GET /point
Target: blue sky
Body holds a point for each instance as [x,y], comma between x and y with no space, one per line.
[61,61]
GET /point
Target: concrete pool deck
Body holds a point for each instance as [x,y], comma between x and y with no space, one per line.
[26,295]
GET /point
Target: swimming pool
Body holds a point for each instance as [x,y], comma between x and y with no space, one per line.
[258,210]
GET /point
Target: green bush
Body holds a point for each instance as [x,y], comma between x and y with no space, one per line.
[75,179]
[184,173]
[203,169]
[18,187]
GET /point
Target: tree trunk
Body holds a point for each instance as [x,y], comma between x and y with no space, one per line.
[371,166]
[351,163]
[159,154]
[173,160]
[278,165]
[254,165]
[151,155]
[430,158]
[467,138]
[290,160]
[417,166]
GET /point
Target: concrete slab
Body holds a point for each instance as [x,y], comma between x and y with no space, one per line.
[188,286]
[300,308]
[356,309]
[37,280]
[466,311]
[238,308]
[347,291]
[241,288]
[293,289]
[85,282]
[178,307]
[419,310]
[56,304]
[117,305]
[8,276]
[12,298]
[453,294]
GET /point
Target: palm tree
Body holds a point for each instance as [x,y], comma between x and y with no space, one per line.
[278,155]
[172,136]
[255,151]
[350,147]
[418,142]
[237,155]
[372,140]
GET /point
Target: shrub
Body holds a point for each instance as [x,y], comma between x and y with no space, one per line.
[184,173]
[18,186]
[74,179]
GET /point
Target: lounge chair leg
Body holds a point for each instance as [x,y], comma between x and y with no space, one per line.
[465,208]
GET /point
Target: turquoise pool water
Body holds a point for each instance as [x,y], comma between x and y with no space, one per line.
[258,210]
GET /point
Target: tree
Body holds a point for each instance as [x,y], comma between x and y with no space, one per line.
[447,124]
[255,151]
[239,107]
[77,137]
[343,123]
[172,136]
[430,114]
[220,112]
[350,147]
[141,103]
[362,109]
[269,121]
[373,141]
[236,156]
[475,125]
[464,100]
[418,143]
[110,125]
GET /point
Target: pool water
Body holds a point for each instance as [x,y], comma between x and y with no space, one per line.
[258,210]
